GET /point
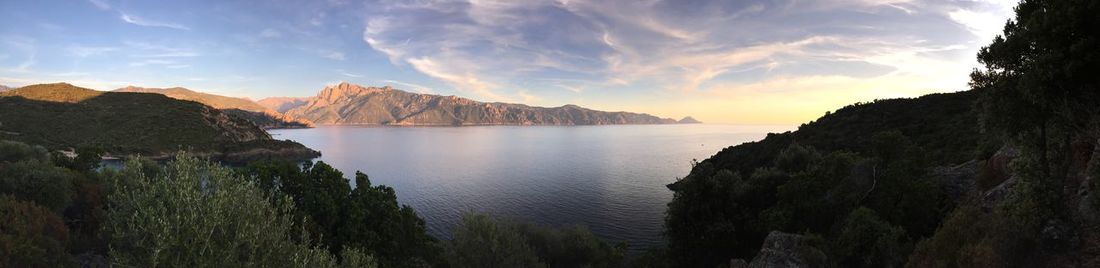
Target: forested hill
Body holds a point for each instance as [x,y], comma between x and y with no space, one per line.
[944,125]
[62,116]
[854,174]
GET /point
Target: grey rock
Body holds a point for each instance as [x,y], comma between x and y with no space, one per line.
[788,251]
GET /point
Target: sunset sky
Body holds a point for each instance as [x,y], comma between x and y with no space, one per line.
[781,62]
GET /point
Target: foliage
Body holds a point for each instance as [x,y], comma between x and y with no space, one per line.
[367,218]
[27,173]
[31,236]
[867,241]
[87,159]
[1002,237]
[194,213]
[481,241]
[873,200]
[11,151]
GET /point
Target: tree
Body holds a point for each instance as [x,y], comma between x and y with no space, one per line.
[367,218]
[867,241]
[194,213]
[482,242]
[373,220]
[36,180]
[1039,86]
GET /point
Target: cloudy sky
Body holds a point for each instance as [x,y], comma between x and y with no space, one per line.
[749,62]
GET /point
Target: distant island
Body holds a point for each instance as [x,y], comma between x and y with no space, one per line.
[350,104]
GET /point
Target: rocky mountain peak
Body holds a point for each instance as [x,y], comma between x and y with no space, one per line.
[333,94]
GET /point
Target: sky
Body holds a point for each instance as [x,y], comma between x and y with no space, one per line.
[742,62]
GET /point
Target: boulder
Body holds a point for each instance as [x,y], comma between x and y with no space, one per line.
[787,251]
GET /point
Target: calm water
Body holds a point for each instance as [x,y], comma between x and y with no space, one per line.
[609,178]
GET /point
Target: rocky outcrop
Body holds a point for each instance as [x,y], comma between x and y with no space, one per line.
[784,250]
[957,180]
[349,104]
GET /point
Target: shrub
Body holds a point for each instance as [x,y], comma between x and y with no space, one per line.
[31,236]
[194,213]
[482,242]
[37,181]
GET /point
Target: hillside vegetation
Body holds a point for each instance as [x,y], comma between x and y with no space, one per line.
[62,116]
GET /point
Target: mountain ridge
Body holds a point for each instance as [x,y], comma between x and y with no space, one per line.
[243,107]
[351,104]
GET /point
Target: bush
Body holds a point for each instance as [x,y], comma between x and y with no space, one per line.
[37,181]
[482,241]
[31,236]
[194,213]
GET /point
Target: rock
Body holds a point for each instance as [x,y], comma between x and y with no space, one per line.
[1057,236]
[957,180]
[997,195]
[738,263]
[787,250]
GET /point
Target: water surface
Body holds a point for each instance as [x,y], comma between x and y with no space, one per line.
[610,179]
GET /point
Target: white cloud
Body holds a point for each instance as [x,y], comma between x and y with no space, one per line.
[135,20]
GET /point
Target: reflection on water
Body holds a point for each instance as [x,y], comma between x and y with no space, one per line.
[609,178]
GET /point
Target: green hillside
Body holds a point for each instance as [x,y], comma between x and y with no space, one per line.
[61,116]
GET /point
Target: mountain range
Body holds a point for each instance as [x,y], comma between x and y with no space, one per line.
[4,88]
[350,104]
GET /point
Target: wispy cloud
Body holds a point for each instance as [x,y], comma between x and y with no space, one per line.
[153,62]
[410,86]
[513,49]
[135,20]
[87,51]
[100,4]
[270,33]
[24,45]
[346,73]
[332,55]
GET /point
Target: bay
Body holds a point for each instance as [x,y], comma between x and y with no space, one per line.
[609,179]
